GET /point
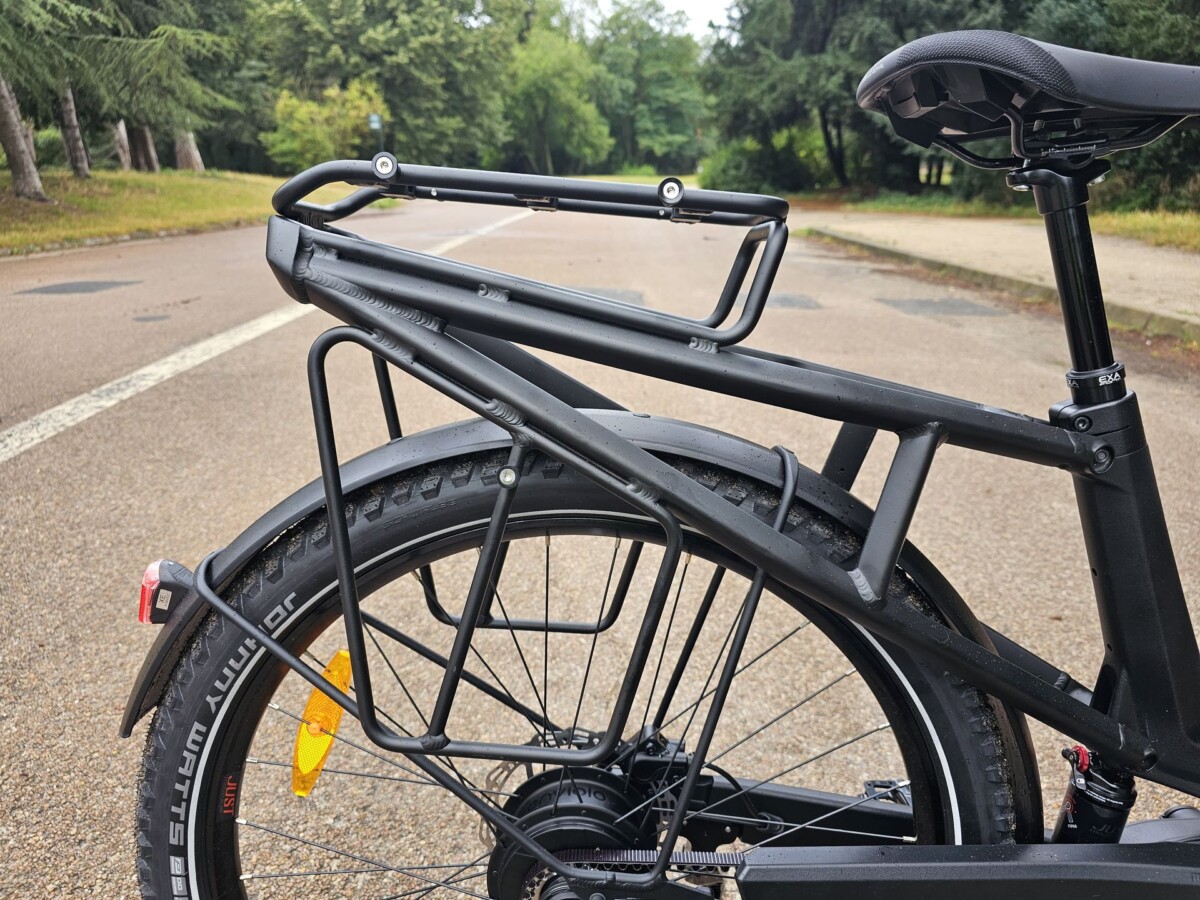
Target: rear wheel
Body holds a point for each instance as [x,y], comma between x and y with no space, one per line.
[828,736]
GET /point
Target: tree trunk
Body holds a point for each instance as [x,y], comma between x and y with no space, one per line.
[835,151]
[141,142]
[30,143]
[72,137]
[121,142]
[21,161]
[187,154]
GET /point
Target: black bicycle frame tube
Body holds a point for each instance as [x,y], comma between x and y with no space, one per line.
[817,390]
[1151,662]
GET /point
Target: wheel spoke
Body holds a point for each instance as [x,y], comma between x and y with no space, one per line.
[513,634]
[329,770]
[455,878]
[791,709]
[811,823]
[395,674]
[449,763]
[662,652]
[374,870]
[792,768]
[587,669]
[706,693]
[366,860]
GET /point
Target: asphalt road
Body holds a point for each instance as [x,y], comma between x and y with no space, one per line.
[182,467]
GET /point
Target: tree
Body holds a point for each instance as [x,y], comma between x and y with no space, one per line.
[440,65]
[650,91]
[786,65]
[147,64]
[35,48]
[27,182]
[72,135]
[334,127]
[556,127]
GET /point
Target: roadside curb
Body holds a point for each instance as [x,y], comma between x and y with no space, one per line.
[1120,315]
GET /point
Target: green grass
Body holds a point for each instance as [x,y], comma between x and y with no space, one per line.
[689,181]
[1159,228]
[1162,229]
[943,205]
[118,204]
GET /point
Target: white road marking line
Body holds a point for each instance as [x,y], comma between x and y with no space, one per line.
[43,426]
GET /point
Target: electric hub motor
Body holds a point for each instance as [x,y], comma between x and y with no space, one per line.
[568,809]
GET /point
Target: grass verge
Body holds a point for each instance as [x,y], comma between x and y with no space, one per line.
[112,205]
[689,181]
[1159,228]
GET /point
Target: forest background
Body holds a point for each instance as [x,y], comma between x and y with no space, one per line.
[762,101]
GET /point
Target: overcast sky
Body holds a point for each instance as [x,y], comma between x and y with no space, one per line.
[700,12]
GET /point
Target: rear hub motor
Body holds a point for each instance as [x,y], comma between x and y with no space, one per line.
[567,809]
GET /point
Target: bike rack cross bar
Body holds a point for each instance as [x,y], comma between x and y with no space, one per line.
[505,189]
[553,626]
[501,287]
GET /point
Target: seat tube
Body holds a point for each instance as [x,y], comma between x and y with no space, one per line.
[1062,196]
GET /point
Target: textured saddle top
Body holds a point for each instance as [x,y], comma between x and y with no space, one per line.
[1076,77]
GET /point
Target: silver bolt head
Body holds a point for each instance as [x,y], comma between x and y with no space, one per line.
[384,166]
[1022,187]
[671,191]
[507,476]
[1099,178]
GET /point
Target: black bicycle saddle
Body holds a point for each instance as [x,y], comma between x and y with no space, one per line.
[964,85]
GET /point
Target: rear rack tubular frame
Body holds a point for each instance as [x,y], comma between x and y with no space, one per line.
[435,741]
[398,305]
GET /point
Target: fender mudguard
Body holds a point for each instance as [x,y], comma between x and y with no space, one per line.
[658,435]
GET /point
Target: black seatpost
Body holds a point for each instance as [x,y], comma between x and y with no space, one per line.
[1062,195]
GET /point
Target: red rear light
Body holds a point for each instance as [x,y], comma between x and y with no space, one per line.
[149,589]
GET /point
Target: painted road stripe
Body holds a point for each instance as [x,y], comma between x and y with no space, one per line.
[54,421]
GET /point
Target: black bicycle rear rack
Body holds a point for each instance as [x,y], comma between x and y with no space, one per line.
[382,281]
[398,305]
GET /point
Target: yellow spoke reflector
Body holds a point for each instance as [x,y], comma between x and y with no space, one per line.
[322,715]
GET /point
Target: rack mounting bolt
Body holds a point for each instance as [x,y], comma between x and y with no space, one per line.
[384,165]
[1082,423]
[670,191]
[507,476]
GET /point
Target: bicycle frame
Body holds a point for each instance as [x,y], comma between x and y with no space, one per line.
[1144,714]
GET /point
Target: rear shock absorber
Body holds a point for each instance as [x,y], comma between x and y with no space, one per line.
[1097,802]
